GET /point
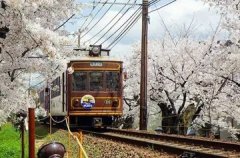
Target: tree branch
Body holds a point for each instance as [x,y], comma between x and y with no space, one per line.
[32,37]
[165,26]
[64,23]
[199,109]
[238,84]
[171,101]
[166,77]
[25,52]
[128,103]
[221,87]
[183,103]
[12,74]
[213,37]
[10,56]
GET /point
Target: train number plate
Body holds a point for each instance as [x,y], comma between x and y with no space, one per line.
[107,102]
[96,64]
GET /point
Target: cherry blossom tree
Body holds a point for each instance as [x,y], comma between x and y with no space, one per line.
[226,63]
[31,41]
[190,81]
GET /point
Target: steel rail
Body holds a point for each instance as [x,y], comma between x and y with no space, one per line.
[173,146]
[227,146]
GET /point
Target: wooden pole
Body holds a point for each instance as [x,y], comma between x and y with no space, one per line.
[31,125]
[50,123]
[143,82]
[69,138]
[22,136]
[81,141]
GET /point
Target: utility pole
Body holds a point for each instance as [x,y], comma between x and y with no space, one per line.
[79,36]
[143,83]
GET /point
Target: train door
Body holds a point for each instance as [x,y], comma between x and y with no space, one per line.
[47,100]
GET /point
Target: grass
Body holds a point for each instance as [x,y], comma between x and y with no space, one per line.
[10,146]
[58,135]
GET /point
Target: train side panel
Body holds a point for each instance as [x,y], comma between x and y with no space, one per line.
[58,96]
[44,99]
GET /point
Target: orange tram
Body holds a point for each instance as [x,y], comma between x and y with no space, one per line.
[89,92]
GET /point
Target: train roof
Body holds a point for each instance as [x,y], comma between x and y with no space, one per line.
[100,58]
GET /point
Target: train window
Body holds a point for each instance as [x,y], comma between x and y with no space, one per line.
[79,81]
[96,81]
[112,81]
[41,96]
[55,88]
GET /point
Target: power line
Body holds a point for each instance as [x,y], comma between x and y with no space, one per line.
[119,3]
[110,21]
[127,24]
[127,28]
[117,40]
[113,3]
[37,84]
[124,31]
[93,16]
[89,14]
[115,25]
[161,6]
[98,20]
[132,16]
[153,2]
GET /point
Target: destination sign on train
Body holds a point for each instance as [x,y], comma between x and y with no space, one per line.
[95,63]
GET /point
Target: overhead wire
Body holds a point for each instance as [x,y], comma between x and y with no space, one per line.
[104,27]
[120,37]
[161,6]
[153,2]
[98,20]
[113,25]
[81,28]
[102,17]
[124,28]
[124,31]
[89,14]
[125,23]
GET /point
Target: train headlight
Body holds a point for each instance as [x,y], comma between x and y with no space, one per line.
[96,50]
[115,103]
[76,102]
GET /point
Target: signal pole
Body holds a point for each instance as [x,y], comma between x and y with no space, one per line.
[143,82]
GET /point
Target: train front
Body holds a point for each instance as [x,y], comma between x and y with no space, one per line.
[94,90]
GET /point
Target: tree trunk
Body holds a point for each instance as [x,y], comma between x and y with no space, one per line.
[169,119]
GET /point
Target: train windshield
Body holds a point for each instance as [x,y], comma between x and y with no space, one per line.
[79,82]
[112,81]
[96,81]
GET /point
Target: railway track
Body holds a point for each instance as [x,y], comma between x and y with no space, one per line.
[188,147]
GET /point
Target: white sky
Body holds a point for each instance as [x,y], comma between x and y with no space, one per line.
[175,15]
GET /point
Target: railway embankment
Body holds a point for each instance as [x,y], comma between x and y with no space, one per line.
[95,147]
[99,147]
